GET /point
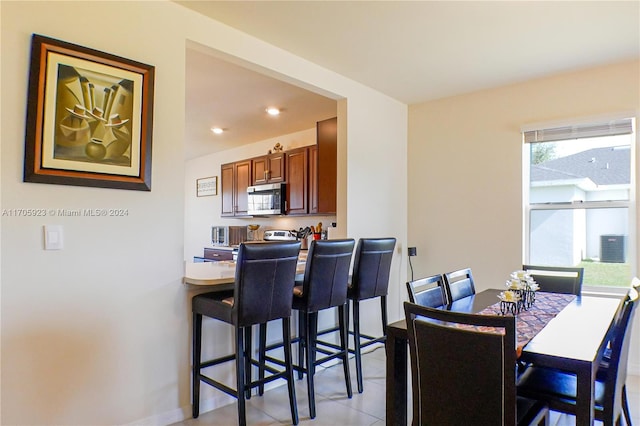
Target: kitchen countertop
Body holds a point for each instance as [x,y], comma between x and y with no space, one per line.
[220,273]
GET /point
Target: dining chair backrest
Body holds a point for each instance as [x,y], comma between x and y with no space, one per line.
[371,267]
[459,284]
[326,274]
[557,279]
[265,276]
[427,291]
[617,369]
[479,358]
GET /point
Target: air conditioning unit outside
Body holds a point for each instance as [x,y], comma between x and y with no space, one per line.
[613,248]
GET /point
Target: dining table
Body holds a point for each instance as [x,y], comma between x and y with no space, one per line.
[573,339]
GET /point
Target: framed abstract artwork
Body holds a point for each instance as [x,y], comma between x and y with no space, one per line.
[89,118]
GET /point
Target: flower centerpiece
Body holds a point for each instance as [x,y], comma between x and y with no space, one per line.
[524,284]
[510,302]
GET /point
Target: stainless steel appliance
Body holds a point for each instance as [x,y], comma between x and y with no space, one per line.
[266,199]
[228,235]
[278,235]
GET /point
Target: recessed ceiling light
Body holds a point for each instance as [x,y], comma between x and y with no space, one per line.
[217,130]
[273,111]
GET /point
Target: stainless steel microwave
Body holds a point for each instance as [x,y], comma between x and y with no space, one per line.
[268,199]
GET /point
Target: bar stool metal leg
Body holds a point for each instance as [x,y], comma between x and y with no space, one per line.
[311,324]
[301,340]
[240,374]
[286,334]
[262,349]
[344,342]
[356,344]
[197,335]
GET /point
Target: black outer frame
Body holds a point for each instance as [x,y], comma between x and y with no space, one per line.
[33,170]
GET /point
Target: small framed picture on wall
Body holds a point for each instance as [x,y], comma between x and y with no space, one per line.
[207,186]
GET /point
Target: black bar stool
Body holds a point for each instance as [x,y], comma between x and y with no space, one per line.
[265,275]
[370,279]
[323,286]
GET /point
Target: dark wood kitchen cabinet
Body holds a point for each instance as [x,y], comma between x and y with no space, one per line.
[297,181]
[269,169]
[235,178]
[310,174]
[323,168]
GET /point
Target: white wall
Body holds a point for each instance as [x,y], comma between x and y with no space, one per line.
[99,333]
[465,168]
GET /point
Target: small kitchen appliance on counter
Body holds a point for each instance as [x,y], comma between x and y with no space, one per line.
[252,232]
[278,235]
[228,235]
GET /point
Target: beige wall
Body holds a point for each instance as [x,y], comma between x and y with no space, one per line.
[465,167]
[98,333]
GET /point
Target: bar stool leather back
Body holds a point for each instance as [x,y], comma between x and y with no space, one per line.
[370,279]
[265,276]
[324,286]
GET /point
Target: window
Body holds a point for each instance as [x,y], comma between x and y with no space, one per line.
[578,193]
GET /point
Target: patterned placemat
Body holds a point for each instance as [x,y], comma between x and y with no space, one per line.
[529,322]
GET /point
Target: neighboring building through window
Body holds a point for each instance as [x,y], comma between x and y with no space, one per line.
[577,199]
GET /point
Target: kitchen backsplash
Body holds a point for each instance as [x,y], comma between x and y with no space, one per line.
[286,223]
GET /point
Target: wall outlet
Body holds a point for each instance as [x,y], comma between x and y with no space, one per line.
[413,251]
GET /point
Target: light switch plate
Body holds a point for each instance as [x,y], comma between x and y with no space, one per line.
[53,237]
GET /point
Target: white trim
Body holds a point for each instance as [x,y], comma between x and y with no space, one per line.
[577,205]
[578,121]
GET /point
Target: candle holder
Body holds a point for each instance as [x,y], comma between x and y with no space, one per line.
[525,286]
[510,302]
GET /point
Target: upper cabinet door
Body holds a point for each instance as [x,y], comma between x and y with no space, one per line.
[242,182]
[323,166]
[235,178]
[297,181]
[226,189]
[269,169]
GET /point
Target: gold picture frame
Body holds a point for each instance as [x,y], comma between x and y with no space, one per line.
[206,187]
[89,118]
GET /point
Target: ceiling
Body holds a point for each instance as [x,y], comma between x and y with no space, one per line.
[234,98]
[413,51]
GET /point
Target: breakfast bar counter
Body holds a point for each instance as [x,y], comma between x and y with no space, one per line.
[219,274]
[209,273]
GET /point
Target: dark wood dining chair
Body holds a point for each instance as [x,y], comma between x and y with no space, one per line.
[556,279]
[558,389]
[603,369]
[427,291]
[263,291]
[459,284]
[463,370]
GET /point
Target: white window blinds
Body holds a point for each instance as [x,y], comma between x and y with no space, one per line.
[587,130]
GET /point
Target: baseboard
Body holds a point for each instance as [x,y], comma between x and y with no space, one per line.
[183,413]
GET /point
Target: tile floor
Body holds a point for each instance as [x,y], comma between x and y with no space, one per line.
[334,408]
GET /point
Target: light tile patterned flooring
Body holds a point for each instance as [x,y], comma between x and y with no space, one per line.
[334,408]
